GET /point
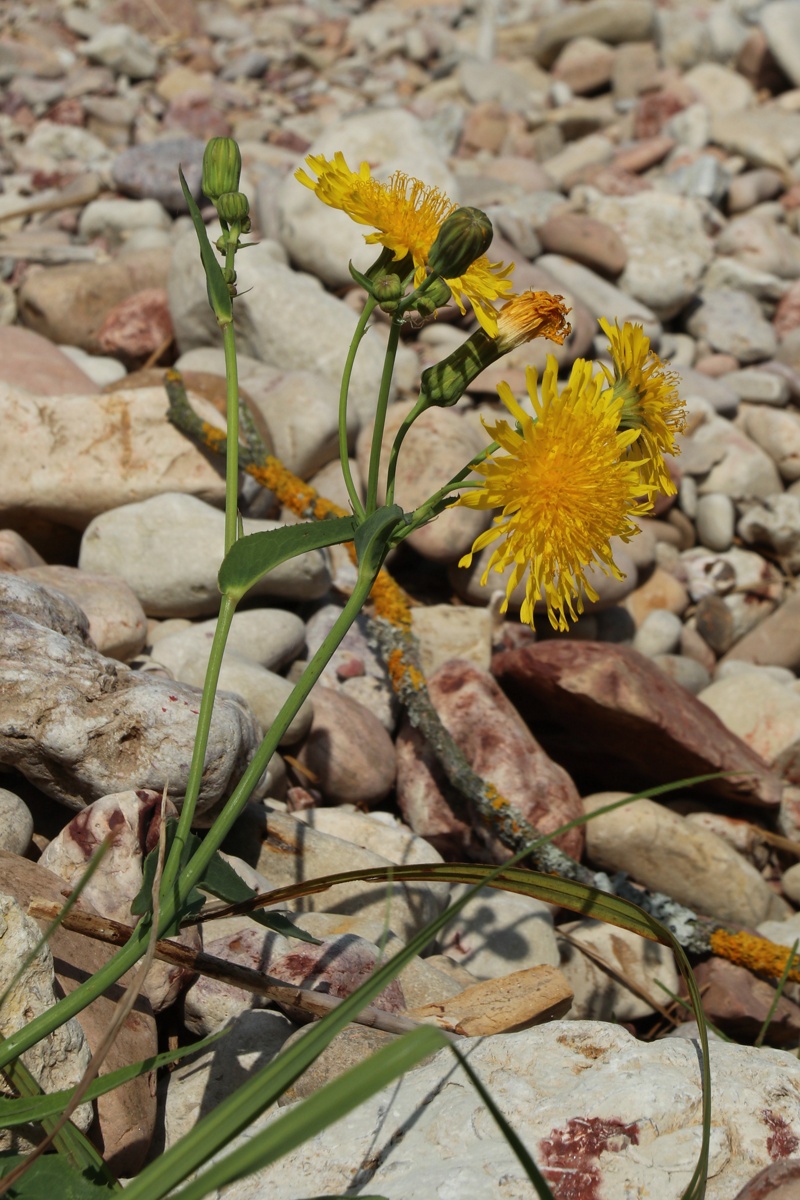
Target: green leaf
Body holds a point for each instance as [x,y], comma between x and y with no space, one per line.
[251,557]
[23,1110]
[142,902]
[218,295]
[278,923]
[51,1176]
[372,536]
[221,880]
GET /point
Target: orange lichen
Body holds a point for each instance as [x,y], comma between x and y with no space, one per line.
[756,953]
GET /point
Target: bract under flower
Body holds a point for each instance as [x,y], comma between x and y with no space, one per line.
[565,485]
[648,393]
[406,215]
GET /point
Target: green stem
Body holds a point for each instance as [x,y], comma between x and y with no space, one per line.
[360,330]
[232,457]
[428,508]
[172,866]
[380,415]
[416,411]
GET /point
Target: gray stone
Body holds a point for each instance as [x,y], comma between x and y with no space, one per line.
[124,50]
[272,637]
[612,21]
[497,932]
[724,459]
[686,671]
[601,297]
[760,241]
[659,633]
[601,995]
[149,171]
[757,386]
[735,274]
[775,523]
[169,550]
[117,218]
[16,823]
[778,433]
[732,322]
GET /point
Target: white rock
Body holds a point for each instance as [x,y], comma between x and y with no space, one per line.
[272,637]
[124,50]
[444,631]
[169,550]
[117,624]
[764,712]
[721,88]
[716,521]
[775,522]
[601,297]
[780,21]
[759,387]
[498,932]
[101,369]
[118,217]
[724,459]
[632,1107]
[659,633]
[50,141]
[778,433]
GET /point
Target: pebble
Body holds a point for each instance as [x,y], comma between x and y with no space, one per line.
[759,387]
[663,851]
[271,637]
[602,994]
[774,522]
[169,548]
[659,633]
[147,172]
[116,219]
[497,932]
[779,434]
[592,243]
[347,751]
[732,322]
[32,362]
[780,22]
[764,713]
[16,823]
[117,624]
[716,521]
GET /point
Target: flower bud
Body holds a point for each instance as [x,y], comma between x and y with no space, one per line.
[464,236]
[435,296]
[222,166]
[233,207]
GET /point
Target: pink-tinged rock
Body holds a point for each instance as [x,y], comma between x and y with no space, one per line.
[738,1002]
[644,154]
[16,554]
[30,361]
[348,751]
[137,327]
[133,820]
[618,722]
[337,966]
[787,313]
[127,1115]
[587,241]
[781,1180]
[499,747]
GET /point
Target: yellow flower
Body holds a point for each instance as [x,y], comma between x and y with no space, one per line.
[565,486]
[650,400]
[529,315]
[407,215]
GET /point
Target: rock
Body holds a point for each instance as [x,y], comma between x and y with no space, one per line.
[592,243]
[356,668]
[763,713]
[16,554]
[323,240]
[70,303]
[553,1084]
[150,171]
[720,88]
[716,521]
[668,248]
[286,851]
[124,50]
[439,444]
[602,297]
[753,187]
[663,851]
[636,724]
[732,322]
[444,632]
[760,245]
[614,22]
[301,409]
[585,64]
[692,675]
[779,434]
[275,309]
[497,932]
[137,327]
[779,20]
[116,218]
[774,522]
[600,995]
[764,137]
[127,1115]
[110,726]
[169,548]
[353,1045]
[759,386]
[738,1003]
[133,819]
[32,362]
[53,609]
[16,823]
[202,1081]
[271,637]
[724,459]
[778,1180]
[499,748]
[660,591]
[117,624]
[335,965]
[347,750]
[659,633]
[103,371]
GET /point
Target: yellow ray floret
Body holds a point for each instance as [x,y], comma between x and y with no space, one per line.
[650,400]
[565,485]
[406,215]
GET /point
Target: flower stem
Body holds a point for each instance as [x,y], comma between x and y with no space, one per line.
[232,457]
[361,329]
[380,415]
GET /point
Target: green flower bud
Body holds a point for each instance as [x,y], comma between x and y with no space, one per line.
[435,296]
[222,166]
[233,207]
[464,236]
[388,291]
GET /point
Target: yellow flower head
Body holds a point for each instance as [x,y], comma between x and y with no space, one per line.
[529,315]
[564,487]
[650,400]
[406,215]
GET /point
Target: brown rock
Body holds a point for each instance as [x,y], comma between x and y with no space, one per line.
[645,153]
[779,1181]
[635,67]
[756,62]
[654,110]
[126,1116]
[660,590]
[738,1002]
[137,327]
[69,304]
[617,721]
[715,365]
[30,361]
[586,240]
[348,751]
[585,64]
[499,747]
[485,128]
